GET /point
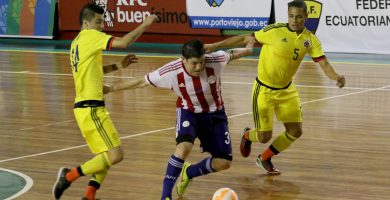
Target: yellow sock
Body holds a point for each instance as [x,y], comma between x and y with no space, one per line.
[253,135]
[97,164]
[283,141]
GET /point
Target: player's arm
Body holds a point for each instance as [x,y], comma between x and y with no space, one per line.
[239,40]
[126,61]
[137,82]
[331,73]
[237,53]
[131,37]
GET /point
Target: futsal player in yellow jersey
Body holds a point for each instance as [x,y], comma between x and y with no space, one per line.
[284,46]
[90,113]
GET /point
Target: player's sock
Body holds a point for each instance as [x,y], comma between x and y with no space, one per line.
[282,142]
[202,168]
[174,167]
[74,174]
[252,136]
[97,164]
[94,184]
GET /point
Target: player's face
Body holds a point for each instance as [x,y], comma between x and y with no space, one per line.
[296,19]
[194,65]
[96,23]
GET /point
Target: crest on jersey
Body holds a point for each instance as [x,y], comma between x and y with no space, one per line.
[212,79]
[215,3]
[314,10]
[307,44]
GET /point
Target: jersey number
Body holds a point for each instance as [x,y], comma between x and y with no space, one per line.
[75,57]
[296,54]
[227,140]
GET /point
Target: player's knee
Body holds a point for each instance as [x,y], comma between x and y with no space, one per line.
[264,136]
[297,132]
[221,164]
[115,155]
[116,158]
[183,150]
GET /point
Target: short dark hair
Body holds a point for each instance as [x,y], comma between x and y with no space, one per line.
[298,4]
[192,49]
[88,12]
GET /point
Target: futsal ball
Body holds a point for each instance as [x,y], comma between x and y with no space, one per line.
[225,194]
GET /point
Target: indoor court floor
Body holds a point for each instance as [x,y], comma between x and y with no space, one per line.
[343,153]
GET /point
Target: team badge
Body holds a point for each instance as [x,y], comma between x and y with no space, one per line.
[186,124]
[214,3]
[314,10]
[307,44]
[212,79]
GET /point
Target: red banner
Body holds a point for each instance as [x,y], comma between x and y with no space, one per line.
[126,15]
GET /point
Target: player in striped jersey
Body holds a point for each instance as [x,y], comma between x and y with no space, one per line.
[196,80]
[91,116]
[284,46]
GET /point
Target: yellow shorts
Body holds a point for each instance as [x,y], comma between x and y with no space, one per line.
[97,128]
[265,101]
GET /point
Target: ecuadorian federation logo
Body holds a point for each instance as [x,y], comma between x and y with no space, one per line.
[214,3]
[314,10]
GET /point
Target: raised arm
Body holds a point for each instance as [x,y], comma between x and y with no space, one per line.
[131,37]
[235,41]
[331,73]
[126,61]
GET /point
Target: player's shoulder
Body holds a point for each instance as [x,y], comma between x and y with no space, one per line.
[275,26]
[171,67]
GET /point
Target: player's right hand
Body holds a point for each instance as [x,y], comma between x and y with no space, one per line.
[150,19]
[128,59]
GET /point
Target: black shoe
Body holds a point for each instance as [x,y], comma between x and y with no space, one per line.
[61,184]
[245,145]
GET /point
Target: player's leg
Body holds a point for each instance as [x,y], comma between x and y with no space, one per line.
[289,112]
[215,139]
[102,139]
[262,110]
[185,137]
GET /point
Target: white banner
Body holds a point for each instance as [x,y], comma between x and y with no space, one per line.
[229,14]
[351,26]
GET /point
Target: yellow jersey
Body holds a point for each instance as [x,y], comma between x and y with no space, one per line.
[282,52]
[86,61]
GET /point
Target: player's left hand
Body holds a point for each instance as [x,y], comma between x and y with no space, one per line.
[340,81]
[127,60]
[107,89]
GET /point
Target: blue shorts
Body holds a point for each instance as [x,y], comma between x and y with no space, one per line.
[210,128]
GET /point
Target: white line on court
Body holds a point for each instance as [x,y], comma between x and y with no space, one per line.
[170,128]
[29,183]
[227,82]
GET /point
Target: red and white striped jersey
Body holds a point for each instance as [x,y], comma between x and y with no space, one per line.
[197,94]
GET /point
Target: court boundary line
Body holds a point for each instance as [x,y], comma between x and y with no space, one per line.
[29,183]
[170,128]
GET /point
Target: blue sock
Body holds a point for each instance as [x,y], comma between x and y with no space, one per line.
[200,169]
[173,171]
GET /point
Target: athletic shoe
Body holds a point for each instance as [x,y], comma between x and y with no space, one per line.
[61,183]
[184,182]
[85,198]
[245,145]
[267,165]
